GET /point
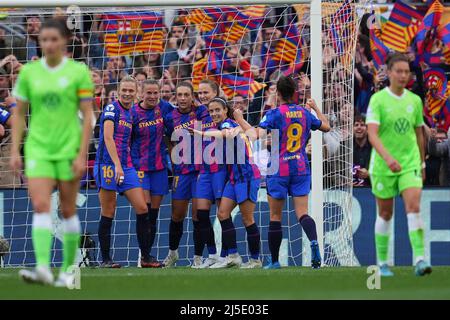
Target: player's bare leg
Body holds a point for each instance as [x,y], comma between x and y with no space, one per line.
[247,209]
[68,191]
[40,190]
[136,198]
[108,200]
[275,235]
[382,234]
[309,226]
[179,212]
[411,198]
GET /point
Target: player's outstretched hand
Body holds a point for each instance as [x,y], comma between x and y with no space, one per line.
[79,167]
[15,162]
[393,165]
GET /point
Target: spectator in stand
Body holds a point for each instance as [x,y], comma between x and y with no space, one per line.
[240,102]
[177,72]
[115,68]
[167,92]
[177,46]
[4,85]
[304,88]
[439,146]
[14,45]
[99,91]
[33,26]
[361,152]
[150,62]
[363,74]
[140,76]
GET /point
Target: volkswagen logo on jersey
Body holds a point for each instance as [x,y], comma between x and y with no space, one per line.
[401,126]
[51,100]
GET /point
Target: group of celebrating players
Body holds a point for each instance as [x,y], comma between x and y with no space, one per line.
[131,159]
[136,139]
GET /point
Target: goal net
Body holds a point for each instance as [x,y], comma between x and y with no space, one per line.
[245,49]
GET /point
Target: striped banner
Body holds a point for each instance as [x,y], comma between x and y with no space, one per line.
[395,30]
[233,84]
[131,32]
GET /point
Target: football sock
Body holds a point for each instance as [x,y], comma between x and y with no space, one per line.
[143,234]
[42,238]
[416,235]
[382,231]
[253,240]
[175,234]
[229,235]
[104,237]
[309,226]
[199,245]
[275,237]
[152,217]
[206,230]
[71,241]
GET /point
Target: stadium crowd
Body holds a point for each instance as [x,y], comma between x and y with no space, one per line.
[184,46]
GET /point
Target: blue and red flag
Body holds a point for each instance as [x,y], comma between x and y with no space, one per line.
[394,32]
[134,31]
[438,90]
[444,35]
[341,29]
[379,50]
[233,84]
[239,22]
[428,28]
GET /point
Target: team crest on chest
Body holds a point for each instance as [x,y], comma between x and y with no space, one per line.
[63,82]
[409,109]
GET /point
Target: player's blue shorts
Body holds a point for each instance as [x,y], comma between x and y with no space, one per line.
[157,182]
[242,191]
[184,186]
[104,178]
[211,185]
[296,186]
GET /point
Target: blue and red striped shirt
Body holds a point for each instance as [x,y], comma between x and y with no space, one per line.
[210,164]
[176,122]
[294,124]
[242,168]
[148,148]
[123,124]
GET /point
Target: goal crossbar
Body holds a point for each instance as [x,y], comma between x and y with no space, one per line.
[166,3]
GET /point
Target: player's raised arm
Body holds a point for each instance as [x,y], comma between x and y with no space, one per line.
[325,126]
[252,132]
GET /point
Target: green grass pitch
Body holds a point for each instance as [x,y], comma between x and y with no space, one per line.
[184,283]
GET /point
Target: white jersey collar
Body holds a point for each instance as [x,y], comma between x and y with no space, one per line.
[56,68]
[394,95]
